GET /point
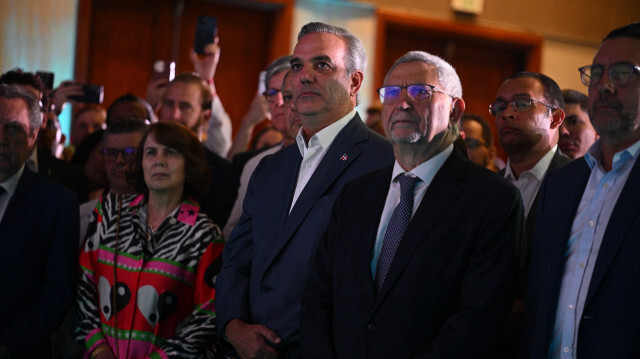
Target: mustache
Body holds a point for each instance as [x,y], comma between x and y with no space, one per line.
[605,102]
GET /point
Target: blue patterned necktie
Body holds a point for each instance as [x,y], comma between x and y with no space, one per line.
[396,227]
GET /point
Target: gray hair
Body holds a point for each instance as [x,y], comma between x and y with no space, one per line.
[447,75]
[33,104]
[356,55]
[278,65]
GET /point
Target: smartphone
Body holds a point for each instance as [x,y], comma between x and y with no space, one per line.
[47,79]
[206,32]
[92,94]
[164,70]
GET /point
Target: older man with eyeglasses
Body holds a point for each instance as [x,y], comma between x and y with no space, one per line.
[404,270]
[583,298]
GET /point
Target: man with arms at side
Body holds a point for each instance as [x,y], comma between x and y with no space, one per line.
[188,100]
[583,299]
[268,257]
[576,132]
[403,270]
[528,111]
[38,258]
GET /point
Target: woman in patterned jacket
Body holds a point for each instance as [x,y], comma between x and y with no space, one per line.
[149,262]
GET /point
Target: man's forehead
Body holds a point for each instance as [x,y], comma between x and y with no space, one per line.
[520,87]
[317,45]
[620,49]
[180,91]
[126,138]
[412,72]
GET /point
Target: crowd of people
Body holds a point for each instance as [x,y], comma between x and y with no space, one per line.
[400,235]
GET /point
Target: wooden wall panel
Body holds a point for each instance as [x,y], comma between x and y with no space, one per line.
[118,41]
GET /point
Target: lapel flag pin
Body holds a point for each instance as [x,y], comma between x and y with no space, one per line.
[344,157]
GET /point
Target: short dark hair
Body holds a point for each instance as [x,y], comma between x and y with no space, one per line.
[83,151]
[179,137]
[129,97]
[631,30]
[552,92]
[194,79]
[573,97]
[127,125]
[33,106]
[19,77]
[487,134]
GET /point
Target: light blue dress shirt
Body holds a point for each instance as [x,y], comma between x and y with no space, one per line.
[595,208]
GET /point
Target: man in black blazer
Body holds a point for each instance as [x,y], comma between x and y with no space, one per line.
[442,286]
[288,202]
[38,236]
[528,110]
[583,300]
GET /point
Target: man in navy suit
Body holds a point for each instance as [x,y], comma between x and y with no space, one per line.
[583,299]
[38,236]
[419,257]
[268,257]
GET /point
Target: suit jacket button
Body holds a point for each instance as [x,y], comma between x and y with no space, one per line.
[371,328]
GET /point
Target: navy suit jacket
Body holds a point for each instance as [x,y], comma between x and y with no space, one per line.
[268,257]
[610,324]
[38,262]
[451,283]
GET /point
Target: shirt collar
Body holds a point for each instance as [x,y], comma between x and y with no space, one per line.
[594,154]
[11,183]
[426,170]
[325,136]
[538,170]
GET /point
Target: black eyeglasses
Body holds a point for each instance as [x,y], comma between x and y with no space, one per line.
[417,92]
[517,104]
[271,95]
[619,73]
[111,154]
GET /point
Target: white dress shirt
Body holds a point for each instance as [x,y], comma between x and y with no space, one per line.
[529,181]
[313,154]
[219,130]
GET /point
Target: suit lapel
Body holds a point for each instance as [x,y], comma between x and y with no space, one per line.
[341,153]
[373,199]
[20,201]
[624,214]
[441,194]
